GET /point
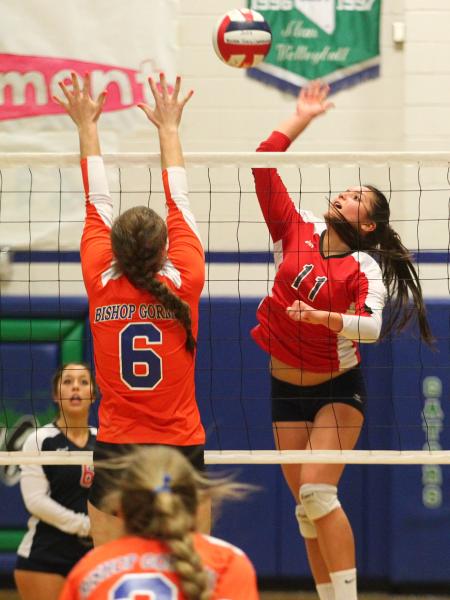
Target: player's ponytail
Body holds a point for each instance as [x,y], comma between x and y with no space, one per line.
[139,238]
[179,308]
[159,500]
[398,271]
[158,495]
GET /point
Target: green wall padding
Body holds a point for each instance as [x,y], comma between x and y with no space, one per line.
[10,539]
[69,332]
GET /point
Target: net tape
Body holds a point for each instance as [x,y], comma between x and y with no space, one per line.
[258,457]
[243,159]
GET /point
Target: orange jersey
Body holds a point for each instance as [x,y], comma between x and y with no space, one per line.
[139,568]
[143,370]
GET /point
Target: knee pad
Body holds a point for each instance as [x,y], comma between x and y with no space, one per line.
[307,527]
[318,499]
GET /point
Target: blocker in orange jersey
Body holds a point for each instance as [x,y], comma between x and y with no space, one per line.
[143,369]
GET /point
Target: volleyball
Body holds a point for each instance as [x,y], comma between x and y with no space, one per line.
[242,38]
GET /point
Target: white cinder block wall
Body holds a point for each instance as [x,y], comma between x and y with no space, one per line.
[408,107]
[427,75]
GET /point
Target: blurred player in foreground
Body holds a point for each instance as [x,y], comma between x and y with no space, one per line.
[159,555]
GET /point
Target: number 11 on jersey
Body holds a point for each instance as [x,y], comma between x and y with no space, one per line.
[320,281]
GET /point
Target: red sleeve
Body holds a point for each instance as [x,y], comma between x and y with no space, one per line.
[276,204]
[186,258]
[238,581]
[95,250]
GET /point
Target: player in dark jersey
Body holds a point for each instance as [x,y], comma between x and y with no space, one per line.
[159,556]
[56,496]
[143,277]
[332,279]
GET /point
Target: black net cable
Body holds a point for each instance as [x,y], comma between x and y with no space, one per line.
[241,357]
[216,428]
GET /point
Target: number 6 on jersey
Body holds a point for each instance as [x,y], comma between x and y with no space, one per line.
[137,586]
[140,365]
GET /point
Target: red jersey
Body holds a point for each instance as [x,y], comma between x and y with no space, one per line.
[349,283]
[134,567]
[143,370]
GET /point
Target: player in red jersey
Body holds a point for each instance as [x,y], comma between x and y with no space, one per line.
[327,296]
[143,277]
[159,556]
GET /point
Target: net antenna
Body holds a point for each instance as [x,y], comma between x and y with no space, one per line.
[41,218]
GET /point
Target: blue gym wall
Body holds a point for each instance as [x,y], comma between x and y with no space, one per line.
[400,540]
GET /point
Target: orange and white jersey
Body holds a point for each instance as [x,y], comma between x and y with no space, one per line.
[143,370]
[134,567]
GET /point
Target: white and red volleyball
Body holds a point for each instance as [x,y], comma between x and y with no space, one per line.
[242,38]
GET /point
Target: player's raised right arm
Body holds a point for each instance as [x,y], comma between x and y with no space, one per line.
[273,197]
[311,103]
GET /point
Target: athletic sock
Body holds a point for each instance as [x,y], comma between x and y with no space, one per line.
[325,591]
[344,583]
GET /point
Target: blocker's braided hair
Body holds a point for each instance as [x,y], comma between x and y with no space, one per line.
[139,237]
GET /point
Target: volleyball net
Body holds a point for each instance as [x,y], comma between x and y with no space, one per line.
[43,303]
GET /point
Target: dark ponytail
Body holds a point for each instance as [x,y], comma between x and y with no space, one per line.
[138,240]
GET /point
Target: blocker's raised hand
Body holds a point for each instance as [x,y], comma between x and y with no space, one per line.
[168,108]
[80,106]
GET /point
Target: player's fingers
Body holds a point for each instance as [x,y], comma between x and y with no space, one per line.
[295,306]
[163,84]
[149,112]
[307,92]
[187,98]
[101,101]
[323,91]
[154,89]
[176,89]
[303,94]
[145,108]
[75,83]
[87,84]
[65,91]
[59,101]
[293,313]
[315,90]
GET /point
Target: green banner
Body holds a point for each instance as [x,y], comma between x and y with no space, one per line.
[336,41]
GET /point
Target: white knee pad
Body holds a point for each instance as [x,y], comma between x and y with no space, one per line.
[318,499]
[307,527]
